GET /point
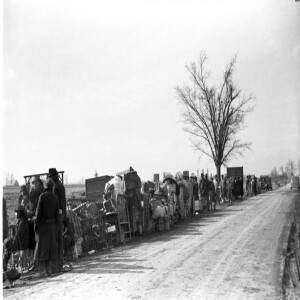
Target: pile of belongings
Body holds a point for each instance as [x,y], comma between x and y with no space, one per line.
[172,191]
[157,204]
[82,218]
[112,190]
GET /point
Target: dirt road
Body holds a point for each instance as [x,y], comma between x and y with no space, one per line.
[234,253]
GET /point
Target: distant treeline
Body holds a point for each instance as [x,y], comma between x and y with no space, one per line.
[284,173]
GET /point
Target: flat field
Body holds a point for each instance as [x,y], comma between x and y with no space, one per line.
[11,194]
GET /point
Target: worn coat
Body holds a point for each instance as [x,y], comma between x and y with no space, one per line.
[45,227]
[34,195]
[59,191]
[212,191]
[203,187]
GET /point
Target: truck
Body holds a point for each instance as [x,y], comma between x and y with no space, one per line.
[235,172]
[295,182]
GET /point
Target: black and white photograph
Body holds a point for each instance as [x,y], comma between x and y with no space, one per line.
[150,149]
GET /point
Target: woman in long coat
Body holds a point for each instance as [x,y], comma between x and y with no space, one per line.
[45,229]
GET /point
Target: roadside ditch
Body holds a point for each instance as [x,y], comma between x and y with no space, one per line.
[291,251]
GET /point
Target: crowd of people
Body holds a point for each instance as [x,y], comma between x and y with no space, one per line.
[41,223]
[184,195]
[213,191]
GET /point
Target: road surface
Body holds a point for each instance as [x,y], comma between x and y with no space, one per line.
[234,253]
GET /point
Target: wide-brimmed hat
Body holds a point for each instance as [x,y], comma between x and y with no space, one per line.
[52,172]
[20,208]
[35,178]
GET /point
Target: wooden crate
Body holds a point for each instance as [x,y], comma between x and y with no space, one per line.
[95,186]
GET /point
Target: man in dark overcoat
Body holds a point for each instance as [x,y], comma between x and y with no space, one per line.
[45,229]
[59,191]
[203,191]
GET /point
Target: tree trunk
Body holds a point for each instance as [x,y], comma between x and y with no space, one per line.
[218,166]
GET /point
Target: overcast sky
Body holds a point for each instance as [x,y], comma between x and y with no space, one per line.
[90,85]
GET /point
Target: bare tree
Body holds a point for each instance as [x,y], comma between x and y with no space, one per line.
[274,173]
[290,168]
[213,116]
[282,171]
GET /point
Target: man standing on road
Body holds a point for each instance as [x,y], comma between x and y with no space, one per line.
[59,191]
[212,194]
[45,228]
[202,187]
[206,191]
[254,187]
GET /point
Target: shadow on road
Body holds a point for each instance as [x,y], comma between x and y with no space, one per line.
[116,261]
[109,265]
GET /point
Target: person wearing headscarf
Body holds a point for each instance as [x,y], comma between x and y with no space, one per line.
[24,197]
[34,194]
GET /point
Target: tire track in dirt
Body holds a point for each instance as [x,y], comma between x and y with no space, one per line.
[232,267]
[250,220]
